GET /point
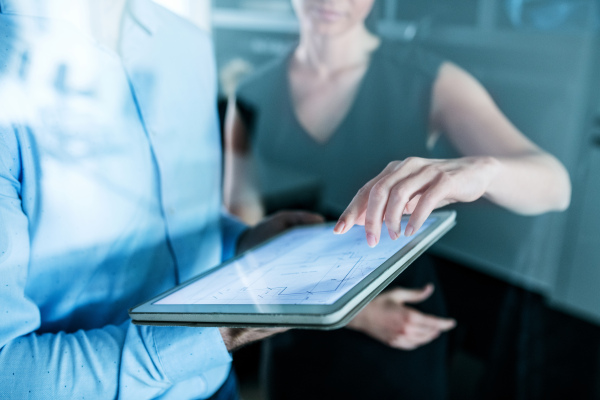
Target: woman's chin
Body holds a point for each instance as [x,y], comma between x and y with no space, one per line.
[328,29]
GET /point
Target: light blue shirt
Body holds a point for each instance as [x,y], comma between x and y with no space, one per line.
[110,182]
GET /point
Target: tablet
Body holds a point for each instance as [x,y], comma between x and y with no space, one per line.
[306,277]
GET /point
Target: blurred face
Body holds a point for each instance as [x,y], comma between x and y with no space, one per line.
[332,17]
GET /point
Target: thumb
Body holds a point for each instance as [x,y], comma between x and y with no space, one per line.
[294,218]
[306,218]
[403,295]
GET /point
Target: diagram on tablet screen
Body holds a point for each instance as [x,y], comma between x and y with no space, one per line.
[307,266]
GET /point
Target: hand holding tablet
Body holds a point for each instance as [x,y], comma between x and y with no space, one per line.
[306,277]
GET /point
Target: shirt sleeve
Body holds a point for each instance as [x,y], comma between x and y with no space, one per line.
[231,228]
[125,361]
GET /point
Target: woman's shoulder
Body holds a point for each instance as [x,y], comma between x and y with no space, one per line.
[409,56]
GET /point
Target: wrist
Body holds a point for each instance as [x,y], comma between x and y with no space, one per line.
[491,167]
[491,164]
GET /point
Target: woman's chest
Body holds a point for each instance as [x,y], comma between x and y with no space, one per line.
[321,104]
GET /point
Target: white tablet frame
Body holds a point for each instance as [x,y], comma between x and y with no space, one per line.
[331,316]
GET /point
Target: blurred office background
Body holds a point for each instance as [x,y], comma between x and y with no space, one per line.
[525,290]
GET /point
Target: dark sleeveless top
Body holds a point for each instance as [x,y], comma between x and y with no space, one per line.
[387,121]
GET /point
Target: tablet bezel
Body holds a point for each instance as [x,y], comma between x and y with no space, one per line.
[316,316]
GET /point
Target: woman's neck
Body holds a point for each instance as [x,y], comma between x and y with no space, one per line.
[329,54]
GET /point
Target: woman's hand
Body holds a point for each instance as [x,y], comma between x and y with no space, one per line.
[415,186]
[389,320]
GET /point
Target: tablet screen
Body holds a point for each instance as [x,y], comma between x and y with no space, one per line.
[308,266]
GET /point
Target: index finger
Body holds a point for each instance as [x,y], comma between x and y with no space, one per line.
[355,212]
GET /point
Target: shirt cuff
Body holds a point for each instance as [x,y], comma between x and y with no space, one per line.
[231,228]
[186,352]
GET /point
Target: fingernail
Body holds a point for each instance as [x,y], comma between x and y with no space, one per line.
[371,241]
[339,227]
[393,234]
[409,230]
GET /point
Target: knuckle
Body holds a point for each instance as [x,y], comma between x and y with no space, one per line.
[370,225]
[378,191]
[388,217]
[432,169]
[361,192]
[399,194]
[412,161]
[431,197]
[427,197]
[444,178]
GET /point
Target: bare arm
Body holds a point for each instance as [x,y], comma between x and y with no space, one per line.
[528,180]
[241,196]
[499,163]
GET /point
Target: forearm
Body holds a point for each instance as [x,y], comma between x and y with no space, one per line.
[57,366]
[123,361]
[530,184]
[523,178]
[241,196]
